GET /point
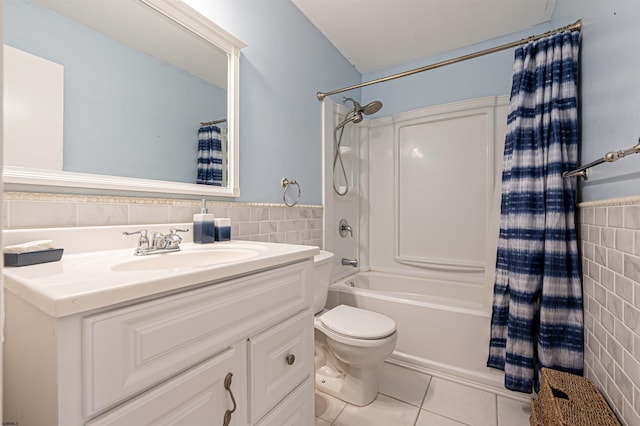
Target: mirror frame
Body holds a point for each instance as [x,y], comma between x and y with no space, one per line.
[182,14]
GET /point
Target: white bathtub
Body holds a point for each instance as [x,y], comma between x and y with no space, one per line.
[443,336]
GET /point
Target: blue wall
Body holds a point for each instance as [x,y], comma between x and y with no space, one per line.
[286,61]
[484,76]
[610,91]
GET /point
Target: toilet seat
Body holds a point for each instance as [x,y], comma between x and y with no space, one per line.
[358,323]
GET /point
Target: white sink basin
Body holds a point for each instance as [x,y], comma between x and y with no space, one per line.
[184,259]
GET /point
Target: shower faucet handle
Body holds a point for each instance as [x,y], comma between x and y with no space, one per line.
[344,228]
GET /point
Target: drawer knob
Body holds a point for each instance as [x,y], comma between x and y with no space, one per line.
[291,358]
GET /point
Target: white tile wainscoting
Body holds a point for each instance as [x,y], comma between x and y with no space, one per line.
[249,221]
[610,234]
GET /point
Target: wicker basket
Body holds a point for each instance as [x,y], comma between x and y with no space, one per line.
[537,416]
[569,400]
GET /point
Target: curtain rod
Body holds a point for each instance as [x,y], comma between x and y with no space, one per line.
[576,26]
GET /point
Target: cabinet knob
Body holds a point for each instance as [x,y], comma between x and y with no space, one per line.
[291,358]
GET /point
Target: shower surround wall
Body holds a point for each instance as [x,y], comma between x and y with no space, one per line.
[249,221]
[610,233]
[347,206]
[411,176]
[432,192]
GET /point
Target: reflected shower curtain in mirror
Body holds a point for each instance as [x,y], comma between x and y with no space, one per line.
[537,301]
[209,156]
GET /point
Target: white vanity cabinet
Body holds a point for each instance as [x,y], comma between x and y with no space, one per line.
[165,360]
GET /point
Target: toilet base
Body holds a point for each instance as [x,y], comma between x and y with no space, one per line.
[358,387]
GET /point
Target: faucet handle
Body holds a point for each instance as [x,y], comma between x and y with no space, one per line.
[344,227]
[142,232]
[143,242]
[172,239]
[173,231]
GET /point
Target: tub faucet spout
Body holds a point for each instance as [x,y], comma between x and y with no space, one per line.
[350,262]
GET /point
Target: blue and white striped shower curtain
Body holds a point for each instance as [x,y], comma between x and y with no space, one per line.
[209,156]
[537,301]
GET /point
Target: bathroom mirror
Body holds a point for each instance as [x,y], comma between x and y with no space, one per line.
[138,77]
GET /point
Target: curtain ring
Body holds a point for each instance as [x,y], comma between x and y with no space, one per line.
[285,184]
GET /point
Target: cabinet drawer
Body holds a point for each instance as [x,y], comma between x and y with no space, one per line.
[196,397]
[279,360]
[131,349]
[297,409]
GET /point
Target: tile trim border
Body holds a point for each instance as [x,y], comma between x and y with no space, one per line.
[80,198]
[626,201]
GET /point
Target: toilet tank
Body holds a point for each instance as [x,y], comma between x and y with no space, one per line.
[322,264]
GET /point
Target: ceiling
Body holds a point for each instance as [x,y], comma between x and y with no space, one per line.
[377,34]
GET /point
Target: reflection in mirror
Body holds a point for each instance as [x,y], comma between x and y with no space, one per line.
[126,84]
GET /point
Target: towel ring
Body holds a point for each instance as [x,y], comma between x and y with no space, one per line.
[285,184]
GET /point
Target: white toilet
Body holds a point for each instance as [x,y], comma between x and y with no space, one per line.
[349,343]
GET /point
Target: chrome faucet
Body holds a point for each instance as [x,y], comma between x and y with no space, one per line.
[350,262]
[159,243]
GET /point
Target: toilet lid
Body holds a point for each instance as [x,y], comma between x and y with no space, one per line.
[358,323]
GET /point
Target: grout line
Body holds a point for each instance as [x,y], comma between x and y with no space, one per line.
[334,420]
[397,399]
[422,402]
[424,397]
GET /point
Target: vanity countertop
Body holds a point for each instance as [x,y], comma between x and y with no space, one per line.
[85,281]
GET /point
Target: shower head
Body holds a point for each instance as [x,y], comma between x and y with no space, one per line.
[372,107]
[368,109]
[355,115]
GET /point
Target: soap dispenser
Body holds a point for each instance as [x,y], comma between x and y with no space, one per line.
[203,227]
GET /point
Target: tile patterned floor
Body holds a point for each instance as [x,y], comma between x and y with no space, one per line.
[410,398]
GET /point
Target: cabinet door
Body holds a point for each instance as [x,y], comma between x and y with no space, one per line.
[279,360]
[195,397]
[297,409]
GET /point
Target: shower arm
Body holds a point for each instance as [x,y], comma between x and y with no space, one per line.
[351,116]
